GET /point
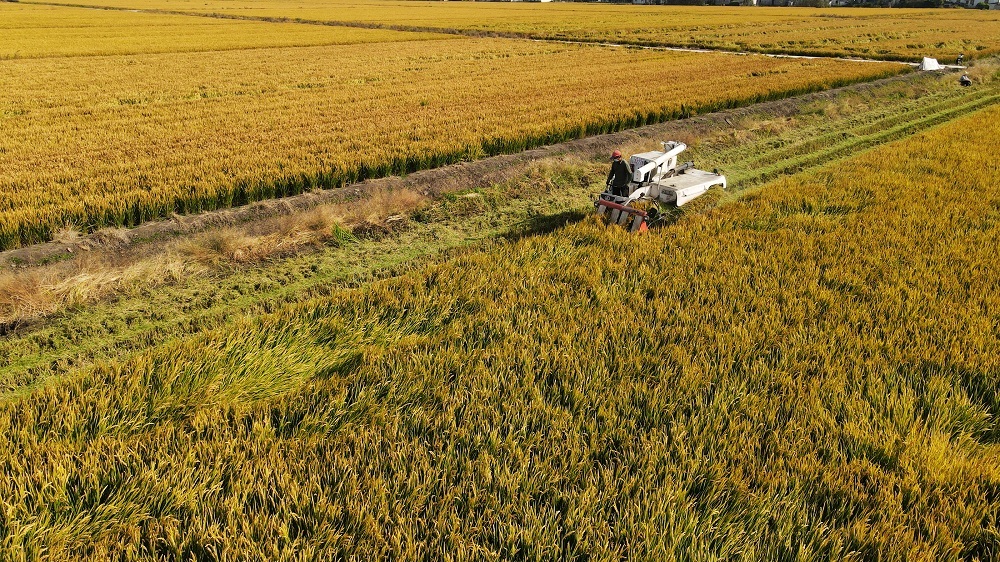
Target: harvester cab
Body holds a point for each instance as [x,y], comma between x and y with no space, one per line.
[657,182]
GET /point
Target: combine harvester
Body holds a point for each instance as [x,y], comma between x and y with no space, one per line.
[659,181]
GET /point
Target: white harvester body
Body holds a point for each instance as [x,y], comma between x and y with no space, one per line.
[656,178]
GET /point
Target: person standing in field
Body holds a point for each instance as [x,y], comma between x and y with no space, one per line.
[619,176]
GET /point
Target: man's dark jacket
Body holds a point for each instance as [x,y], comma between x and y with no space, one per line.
[620,173]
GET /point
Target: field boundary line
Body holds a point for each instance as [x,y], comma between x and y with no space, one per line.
[486,34]
[729,52]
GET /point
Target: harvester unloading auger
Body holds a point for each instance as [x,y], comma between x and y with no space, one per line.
[657,182]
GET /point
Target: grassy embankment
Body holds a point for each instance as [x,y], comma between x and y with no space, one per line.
[807,372]
[68,315]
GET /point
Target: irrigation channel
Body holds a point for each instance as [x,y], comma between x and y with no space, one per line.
[738,53]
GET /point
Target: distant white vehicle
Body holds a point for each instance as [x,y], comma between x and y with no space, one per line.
[930,64]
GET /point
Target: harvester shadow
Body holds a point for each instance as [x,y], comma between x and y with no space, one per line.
[543,224]
[546,224]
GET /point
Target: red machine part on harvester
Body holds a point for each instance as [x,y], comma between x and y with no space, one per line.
[634,219]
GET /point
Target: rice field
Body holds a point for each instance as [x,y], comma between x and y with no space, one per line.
[887,34]
[99,141]
[804,367]
[807,372]
[33,31]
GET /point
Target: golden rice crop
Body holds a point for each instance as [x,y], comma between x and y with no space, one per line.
[119,140]
[32,31]
[807,373]
[888,34]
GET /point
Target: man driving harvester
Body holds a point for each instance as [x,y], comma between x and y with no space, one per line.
[619,176]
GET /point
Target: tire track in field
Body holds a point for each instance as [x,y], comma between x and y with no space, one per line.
[843,143]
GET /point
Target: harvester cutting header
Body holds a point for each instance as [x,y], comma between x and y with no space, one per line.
[652,180]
